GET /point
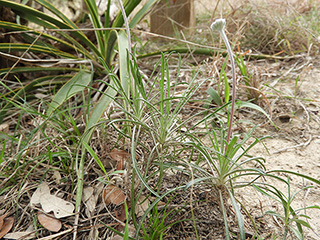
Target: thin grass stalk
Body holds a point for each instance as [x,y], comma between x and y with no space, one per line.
[219,26]
[191,207]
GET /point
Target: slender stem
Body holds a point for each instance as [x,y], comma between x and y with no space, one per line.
[234,82]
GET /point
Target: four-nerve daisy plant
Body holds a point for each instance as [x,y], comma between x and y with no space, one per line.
[219,26]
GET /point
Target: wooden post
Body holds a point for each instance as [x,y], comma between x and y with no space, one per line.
[169,16]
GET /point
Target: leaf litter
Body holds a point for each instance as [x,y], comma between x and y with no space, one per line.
[49,222]
[113,195]
[5,225]
[51,203]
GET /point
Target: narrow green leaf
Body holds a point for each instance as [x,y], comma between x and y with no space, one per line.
[126,228]
[73,86]
[239,216]
[8,47]
[317,181]
[225,218]
[226,88]
[253,106]
[302,222]
[94,118]
[18,27]
[37,69]
[296,232]
[141,13]
[95,19]
[24,90]
[50,22]
[214,96]
[3,150]
[95,157]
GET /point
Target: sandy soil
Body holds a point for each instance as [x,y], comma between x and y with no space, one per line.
[296,147]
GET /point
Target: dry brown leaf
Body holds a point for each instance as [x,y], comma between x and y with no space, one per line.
[7,225]
[117,237]
[50,223]
[113,194]
[142,206]
[4,127]
[89,199]
[122,216]
[87,193]
[120,156]
[60,207]
[49,202]
[56,176]
[20,235]
[2,219]
[43,189]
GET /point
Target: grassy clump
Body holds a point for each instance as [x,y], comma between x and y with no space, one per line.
[179,162]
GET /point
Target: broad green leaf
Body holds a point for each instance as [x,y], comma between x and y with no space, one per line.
[73,86]
[141,13]
[214,96]
[95,19]
[93,120]
[123,63]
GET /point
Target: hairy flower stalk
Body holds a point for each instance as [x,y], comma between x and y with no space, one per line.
[219,25]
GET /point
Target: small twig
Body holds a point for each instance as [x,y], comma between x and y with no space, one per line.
[295,146]
[57,234]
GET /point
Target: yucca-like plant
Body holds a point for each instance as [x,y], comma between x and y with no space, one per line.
[65,47]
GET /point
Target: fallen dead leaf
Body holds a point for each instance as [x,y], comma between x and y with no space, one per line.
[43,189]
[6,226]
[20,235]
[120,156]
[142,206]
[56,176]
[4,127]
[113,194]
[60,207]
[89,199]
[49,202]
[87,193]
[122,216]
[50,223]
[2,220]
[117,237]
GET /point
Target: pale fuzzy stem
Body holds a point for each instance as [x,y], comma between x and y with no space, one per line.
[234,82]
[219,26]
